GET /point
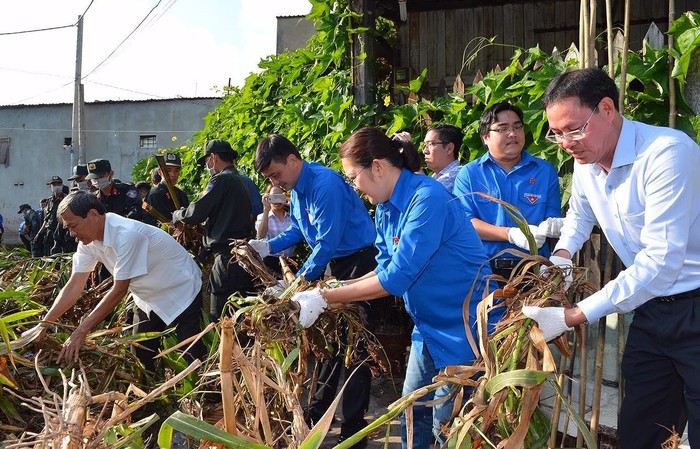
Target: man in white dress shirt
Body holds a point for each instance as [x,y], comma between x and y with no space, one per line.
[639,184]
[164,280]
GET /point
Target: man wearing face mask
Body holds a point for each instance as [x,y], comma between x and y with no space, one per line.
[31,227]
[50,224]
[117,197]
[80,171]
[225,207]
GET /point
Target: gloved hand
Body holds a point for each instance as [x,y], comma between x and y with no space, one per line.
[312,305]
[551,227]
[566,265]
[261,247]
[518,238]
[177,215]
[275,290]
[549,319]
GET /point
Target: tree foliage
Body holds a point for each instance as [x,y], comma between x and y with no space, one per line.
[307,96]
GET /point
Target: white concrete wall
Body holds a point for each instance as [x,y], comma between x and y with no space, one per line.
[112,131]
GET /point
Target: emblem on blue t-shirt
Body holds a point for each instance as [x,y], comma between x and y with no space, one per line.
[132,193]
[532,197]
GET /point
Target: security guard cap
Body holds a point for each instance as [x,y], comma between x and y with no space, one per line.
[97,168]
[173,160]
[78,171]
[217,146]
[55,180]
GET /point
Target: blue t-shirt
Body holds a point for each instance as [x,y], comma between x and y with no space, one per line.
[532,186]
[431,255]
[328,214]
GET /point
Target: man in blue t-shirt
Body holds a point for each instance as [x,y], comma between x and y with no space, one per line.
[508,172]
[326,213]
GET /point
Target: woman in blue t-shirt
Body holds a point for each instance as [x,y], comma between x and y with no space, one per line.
[428,253]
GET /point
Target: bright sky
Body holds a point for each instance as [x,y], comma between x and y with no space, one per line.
[184,47]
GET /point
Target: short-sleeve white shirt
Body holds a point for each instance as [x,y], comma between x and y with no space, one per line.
[163,276]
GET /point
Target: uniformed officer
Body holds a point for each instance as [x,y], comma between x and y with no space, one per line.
[508,172]
[225,207]
[256,205]
[117,197]
[53,237]
[159,196]
[31,228]
[80,171]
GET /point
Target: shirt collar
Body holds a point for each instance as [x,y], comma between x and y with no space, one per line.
[447,167]
[107,237]
[402,193]
[625,151]
[303,180]
[525,158]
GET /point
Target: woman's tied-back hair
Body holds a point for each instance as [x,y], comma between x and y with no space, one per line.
[368,144]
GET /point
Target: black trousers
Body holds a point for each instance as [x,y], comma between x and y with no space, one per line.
[226,279]
[186,325]
[661,366]
[356,395]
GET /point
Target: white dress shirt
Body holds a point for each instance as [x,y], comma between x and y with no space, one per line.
[163,276]
[648,207]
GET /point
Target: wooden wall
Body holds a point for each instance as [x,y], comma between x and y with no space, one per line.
[440,39]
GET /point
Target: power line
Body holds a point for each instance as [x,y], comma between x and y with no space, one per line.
[37,30]
[122,42]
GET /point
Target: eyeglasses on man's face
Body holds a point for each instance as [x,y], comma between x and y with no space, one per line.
[505,129]
[576,134]
[433,143]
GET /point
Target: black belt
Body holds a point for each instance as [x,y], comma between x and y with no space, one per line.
[504,263]
[691,294]
[359,251]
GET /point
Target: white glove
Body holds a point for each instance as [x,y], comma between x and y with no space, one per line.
[312,305]
[261,247]
[177,215]
[518,238]
[275,290]
[550,320]
[551,227]
[566,265]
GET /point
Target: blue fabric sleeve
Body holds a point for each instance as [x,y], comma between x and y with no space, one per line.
[330,217]
[418,243]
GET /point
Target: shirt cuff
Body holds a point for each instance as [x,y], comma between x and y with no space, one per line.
[394,282]
[596,306]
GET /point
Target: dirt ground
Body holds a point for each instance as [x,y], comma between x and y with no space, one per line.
[384,392]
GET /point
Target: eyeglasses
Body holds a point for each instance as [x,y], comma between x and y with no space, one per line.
[350,180]
[576,134]
[432,143]
[505,129]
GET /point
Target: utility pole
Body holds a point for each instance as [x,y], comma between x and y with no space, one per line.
[77,135]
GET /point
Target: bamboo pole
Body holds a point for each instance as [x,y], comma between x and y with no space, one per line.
[556,407]
[623,69]
[226,368]
[671,82]
[609,27]
[590,50]
[580,32]
[585,23]
[597,386]
[583,365]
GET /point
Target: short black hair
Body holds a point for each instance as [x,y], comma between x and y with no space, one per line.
[143,185]
[588,85]
[274,147]
[449,134]
[80,203]
[490,115]
[155,176]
